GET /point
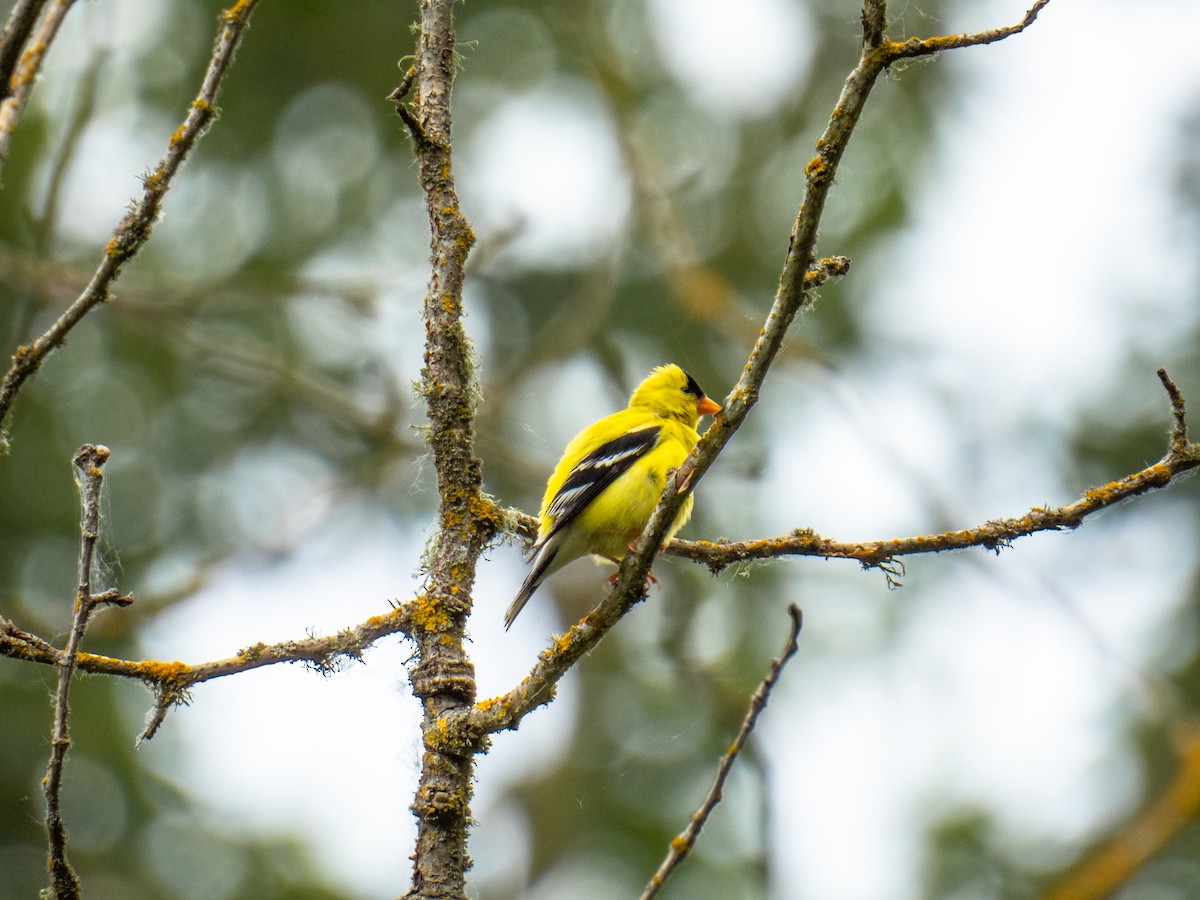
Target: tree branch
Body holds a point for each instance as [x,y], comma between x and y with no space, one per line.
[172,681]
[1181,456]
[683,843]
[444,678]
[134,229]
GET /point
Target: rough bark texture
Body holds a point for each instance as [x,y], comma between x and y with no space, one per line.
[443,678]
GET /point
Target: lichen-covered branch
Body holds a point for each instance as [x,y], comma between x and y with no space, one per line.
[172,680]
[914,47]
[443,677]
[134,229]
[792,293]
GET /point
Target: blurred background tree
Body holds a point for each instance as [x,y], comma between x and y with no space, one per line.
[1023,239]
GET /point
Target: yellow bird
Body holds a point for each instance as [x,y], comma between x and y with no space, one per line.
[611,476]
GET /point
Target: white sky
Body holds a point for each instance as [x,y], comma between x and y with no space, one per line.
[1050,183]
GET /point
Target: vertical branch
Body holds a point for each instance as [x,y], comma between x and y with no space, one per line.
[444,678]
[874,22]
[89,459]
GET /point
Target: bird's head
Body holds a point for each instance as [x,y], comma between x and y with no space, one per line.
[669,391]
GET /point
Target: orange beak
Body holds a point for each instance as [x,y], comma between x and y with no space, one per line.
[706,407]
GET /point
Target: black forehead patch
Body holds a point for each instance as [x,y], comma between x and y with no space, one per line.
[692,387]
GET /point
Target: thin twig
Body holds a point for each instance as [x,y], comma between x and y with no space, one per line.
[683,842]
[874,22]
[89,459]
[914,47]
[25,645]
[134,230]
[419,134]
[1179,429]
[164,702]
[19,86]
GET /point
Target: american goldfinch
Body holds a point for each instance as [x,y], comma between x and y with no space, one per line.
[609,480]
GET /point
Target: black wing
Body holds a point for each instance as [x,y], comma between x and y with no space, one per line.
[598,470]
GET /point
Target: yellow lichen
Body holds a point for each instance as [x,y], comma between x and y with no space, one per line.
[1159,473]
[485,705]
[429,615]
[236,13]
[164,673]
[563,643]
[816,167]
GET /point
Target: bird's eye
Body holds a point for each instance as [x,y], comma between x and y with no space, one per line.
[692,387]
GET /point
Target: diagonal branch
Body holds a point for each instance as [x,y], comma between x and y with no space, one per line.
[21,60]
[172,680]
[1180,446]
[134,229]
[17,29]
[682,844]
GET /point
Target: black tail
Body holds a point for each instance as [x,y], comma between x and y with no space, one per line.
[537,574]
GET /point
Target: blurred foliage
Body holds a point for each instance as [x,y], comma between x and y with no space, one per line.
[259,354]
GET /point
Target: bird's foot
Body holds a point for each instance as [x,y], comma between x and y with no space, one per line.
[650,579]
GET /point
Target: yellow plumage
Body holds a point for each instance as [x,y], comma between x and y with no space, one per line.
[610,477]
